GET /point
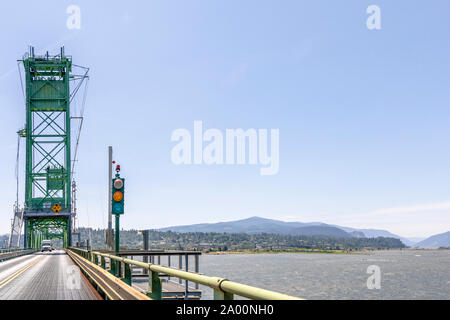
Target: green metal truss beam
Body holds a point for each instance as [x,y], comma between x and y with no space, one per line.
[48,150]
[48,115]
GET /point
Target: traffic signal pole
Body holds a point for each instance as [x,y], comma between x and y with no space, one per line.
[117,234]
[117,203]
[109,241]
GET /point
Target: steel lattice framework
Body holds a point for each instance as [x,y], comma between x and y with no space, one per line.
[47,178]
[47,210]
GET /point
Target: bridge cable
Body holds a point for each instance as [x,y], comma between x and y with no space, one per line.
[17,170]
[18,136]
[21,82]
[83,103]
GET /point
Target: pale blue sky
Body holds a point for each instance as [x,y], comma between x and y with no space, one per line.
[363,115]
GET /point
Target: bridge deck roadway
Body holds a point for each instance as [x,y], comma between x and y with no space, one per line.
[43,276]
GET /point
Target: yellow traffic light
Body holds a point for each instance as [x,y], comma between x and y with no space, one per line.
[118,196]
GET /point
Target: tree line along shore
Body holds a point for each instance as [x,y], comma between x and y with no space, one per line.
[210,242]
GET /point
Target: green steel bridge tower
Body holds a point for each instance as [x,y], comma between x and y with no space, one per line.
[48,211]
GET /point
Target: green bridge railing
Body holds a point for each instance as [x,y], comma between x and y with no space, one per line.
[224,289]
[10,250]
[6,254]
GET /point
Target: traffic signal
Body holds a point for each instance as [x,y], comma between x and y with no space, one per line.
[118,190]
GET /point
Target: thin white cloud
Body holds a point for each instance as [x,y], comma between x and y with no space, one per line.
[416,208]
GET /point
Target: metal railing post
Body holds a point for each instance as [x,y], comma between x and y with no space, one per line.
[186,293]
[168,263]
[221,295]
[196,268]
[128,276]
[154,286]
[118,269]
[180,264]
[112,266]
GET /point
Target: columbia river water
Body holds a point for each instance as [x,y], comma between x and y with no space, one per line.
[405,274]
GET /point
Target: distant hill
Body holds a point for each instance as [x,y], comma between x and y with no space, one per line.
[436,241]
[416,239]
[357,234]
[375,233]
[255,225]
[321,231]
[251,226]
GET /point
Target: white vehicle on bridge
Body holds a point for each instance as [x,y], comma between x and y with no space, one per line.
[46,245]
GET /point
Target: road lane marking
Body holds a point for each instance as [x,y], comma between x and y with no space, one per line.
[19,272]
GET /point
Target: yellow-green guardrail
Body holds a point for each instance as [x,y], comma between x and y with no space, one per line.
[224,289]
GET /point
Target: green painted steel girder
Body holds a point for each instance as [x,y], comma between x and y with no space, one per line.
[48,148]
[39,229]
[47,115]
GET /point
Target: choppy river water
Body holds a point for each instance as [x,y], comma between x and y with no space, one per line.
[405,274]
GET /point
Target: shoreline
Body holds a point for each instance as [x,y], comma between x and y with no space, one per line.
[356,252]
[218,253]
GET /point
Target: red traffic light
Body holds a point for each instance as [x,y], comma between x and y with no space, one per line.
[118,168]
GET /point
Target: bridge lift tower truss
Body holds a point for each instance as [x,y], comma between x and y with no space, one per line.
[48,211]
